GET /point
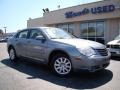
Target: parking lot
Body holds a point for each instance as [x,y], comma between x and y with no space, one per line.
[24,75]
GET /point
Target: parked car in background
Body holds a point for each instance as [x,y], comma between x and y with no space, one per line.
[9,36]
[6,37]
[1,40]
[114,46]
[62,51]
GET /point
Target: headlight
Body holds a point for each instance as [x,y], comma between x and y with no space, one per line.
[87,51]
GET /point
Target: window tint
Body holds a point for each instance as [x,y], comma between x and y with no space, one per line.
[23,34]
[35,33]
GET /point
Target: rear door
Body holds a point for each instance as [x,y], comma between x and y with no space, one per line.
[21,43]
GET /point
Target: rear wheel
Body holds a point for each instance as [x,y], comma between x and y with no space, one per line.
[61,65]
[12,54]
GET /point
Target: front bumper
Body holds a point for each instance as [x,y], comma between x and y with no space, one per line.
[91,64]
[114,52]
[98,67]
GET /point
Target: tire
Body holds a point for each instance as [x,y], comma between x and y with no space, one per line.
[61,65]
[12,54]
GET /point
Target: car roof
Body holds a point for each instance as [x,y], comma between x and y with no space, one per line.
[39,27]
[34,28]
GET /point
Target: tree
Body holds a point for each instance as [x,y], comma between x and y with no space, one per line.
[1,32]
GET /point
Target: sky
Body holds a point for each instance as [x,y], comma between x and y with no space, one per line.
[15,13]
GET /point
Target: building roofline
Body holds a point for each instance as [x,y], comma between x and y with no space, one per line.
[35,18]
[76,6]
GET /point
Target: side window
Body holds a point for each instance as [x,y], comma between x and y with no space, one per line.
[35,33]
[23,34]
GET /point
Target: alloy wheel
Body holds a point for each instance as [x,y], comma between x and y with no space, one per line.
[12,54]
[62,65]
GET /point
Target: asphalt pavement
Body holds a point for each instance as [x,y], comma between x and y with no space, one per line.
[24,75]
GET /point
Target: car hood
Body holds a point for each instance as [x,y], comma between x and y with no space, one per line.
[78,43]
[114,42]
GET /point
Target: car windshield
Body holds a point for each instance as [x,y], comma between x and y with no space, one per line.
[56,33]
[117,38]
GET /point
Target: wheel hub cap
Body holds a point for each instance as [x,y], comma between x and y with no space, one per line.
[12,54]
[62,65]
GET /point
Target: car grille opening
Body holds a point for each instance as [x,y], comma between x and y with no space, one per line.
[102,52]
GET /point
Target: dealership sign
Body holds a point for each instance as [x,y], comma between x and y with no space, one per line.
[95,10]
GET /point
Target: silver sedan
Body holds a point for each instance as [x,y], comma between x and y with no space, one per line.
[61,51]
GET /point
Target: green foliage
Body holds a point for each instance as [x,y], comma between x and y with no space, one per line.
[1,31]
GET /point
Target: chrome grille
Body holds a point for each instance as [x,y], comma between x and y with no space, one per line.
[113,46]
[102,52]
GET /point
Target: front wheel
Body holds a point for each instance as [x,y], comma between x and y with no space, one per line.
[61,65]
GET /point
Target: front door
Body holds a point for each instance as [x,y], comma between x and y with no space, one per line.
[36,48]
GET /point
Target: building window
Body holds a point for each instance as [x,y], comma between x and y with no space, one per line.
[71,28]
[100,29]
[93,31]
[63,26]
[67,27]
[84,30]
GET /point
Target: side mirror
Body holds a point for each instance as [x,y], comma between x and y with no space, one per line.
[42,38]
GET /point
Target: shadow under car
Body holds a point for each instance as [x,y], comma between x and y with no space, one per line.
[78,80]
